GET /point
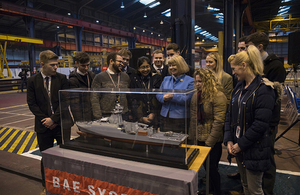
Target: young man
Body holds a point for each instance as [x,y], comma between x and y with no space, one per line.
[158,66]
[43,101]
[126,55]
[173,50]
[82,77]
[242,44]
[113,77]
[274,71]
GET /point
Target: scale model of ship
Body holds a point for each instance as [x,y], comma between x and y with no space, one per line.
[114,127]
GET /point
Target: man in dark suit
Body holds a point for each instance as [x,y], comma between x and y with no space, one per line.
[173,50]
[126,55]
[158,66]
[43,101]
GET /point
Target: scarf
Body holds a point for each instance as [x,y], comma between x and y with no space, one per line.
[200,110]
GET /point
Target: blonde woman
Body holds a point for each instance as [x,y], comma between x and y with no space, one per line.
[173,106]
[208,108]
[247,121]
[214,62]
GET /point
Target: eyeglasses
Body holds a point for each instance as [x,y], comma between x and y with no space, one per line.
[120,61]
[144,67]
[242,48]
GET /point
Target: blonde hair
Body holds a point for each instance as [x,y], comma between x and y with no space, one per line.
[252,57]
[182,66]
[210,84]
[47,55]
[219,66]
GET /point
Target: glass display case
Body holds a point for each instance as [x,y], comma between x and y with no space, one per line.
[134,124]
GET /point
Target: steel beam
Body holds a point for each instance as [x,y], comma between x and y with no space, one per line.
[183,28]
[228,34]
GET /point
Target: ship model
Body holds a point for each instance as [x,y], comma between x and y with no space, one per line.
[115,128]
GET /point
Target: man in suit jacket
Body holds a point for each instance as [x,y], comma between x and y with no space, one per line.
[126,56]
[43,101]
[158,66]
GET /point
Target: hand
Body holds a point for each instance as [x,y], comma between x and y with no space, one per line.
[151,116]
[167,97]
[47,122]
[53,126]
[236,149]
[146,120]
[229,148]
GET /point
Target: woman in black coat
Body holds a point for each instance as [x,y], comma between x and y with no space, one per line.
[247,121]
[144,108]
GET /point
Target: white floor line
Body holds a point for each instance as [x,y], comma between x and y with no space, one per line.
[14,113]
[28,154]
[277,170]
[18,121]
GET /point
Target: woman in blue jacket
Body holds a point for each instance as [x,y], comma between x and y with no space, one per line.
[247,121]
[174,106]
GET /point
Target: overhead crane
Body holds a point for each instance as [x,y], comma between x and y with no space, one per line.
[6,38]
[279,24]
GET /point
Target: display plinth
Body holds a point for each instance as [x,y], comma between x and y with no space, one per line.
[68,171]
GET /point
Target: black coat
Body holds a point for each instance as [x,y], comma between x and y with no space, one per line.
[38,99]
[274,69]
[76,80]
[256,112]
[163,73]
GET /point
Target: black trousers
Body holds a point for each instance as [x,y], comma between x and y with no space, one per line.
[45,141]
[214,175]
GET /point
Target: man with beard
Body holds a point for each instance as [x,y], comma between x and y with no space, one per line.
[104,103]
[158,66]
[126,55]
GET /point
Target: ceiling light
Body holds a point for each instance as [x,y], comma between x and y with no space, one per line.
[159,35]
[161,22]
[143,30]
[145,15]
[69,13]
[134,28]
[197,37]
[57,27]
[122,5]
[202,40]
[97,21]
[151,33]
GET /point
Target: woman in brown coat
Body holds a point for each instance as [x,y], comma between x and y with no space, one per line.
[208,108]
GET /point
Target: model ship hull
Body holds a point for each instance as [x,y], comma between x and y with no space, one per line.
[113,131]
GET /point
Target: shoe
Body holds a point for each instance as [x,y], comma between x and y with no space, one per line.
[43,192]
[234,175]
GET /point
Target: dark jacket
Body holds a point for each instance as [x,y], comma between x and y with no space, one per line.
[38,99]
[130,70]
[257,105]
[76,80]
[143,105]
[274,69]
[80,102]
[164,72]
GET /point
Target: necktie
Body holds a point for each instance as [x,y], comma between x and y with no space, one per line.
[47,83]
[160,70]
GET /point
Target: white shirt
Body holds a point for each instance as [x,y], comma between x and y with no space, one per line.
[156,68]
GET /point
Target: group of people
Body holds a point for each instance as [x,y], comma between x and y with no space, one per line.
[243,117]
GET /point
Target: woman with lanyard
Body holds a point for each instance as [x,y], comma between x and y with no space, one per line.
[173,105]
[208,108]
[144,107]
[247,121]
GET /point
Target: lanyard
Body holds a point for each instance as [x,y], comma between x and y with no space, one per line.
[113,80]
[148,84]
[240,101]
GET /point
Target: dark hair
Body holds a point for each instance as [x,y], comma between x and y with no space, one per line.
[173,46]
[112,56]
[82,57]
[125,52]
[141,60]
[242,39]
[258,38]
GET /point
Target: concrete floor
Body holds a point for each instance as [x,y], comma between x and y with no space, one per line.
[14,113]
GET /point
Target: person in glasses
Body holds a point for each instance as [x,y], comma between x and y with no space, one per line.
[242,44]
[114,78]
[145,107]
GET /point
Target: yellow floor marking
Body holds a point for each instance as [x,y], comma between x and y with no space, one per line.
[11,149]
[25,143]
[2,129]
[9,139]
[5,134]
[33,145]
